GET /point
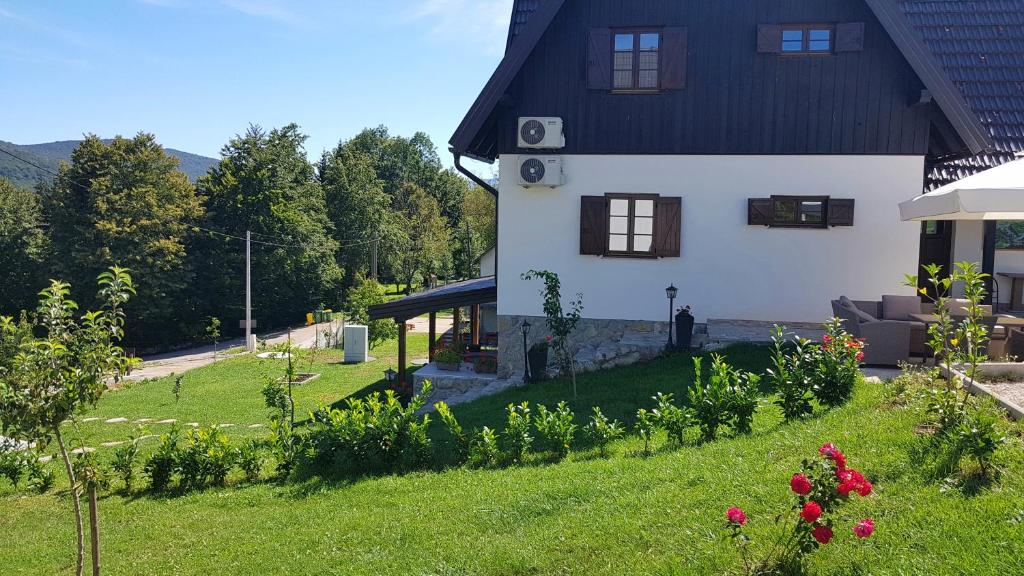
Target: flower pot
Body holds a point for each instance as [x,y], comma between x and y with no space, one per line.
[684,331]
[538,359]
[449,367]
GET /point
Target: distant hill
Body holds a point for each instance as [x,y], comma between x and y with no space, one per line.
[50,154]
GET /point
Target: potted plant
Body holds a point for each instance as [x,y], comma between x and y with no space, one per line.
[448,359]
[485,365]
[684,327]
[538,359]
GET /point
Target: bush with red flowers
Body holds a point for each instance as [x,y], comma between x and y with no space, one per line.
[820,488]
[837,365]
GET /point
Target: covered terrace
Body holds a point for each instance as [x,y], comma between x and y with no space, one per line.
[454,297]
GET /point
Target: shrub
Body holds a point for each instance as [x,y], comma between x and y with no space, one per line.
[671,418]
[275,396]
[709,399]
[124,462]
[366,293]
[820,489]
[206,458]
[461,439]
[286,445]
[837,365]
[250,459]
[485,365]
[980,434]
[161,465]
[516,436]
[447,355]
[646,423]
[557,428]
[790,375]
[12,466]
[603,431]
[40,477]
[483,449]
[373,434]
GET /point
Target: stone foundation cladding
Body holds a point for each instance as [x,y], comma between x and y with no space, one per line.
[599,344]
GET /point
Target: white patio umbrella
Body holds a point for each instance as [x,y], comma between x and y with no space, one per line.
[995,194]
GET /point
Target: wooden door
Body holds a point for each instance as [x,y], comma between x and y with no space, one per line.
[936,248]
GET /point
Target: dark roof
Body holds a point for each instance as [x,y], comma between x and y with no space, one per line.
[478,291]
[980,46]
[976,47]
[521,11]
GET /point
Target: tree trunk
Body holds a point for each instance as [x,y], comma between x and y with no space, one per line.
[80,563]
[94,527]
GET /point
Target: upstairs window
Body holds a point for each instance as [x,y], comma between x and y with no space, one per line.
[636,60]
[811,39]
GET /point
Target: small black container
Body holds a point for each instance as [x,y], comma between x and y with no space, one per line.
[538,359]
[684,330]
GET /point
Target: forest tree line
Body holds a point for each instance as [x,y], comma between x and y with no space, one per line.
[314,225]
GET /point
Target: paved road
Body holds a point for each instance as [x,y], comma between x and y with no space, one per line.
[160,365]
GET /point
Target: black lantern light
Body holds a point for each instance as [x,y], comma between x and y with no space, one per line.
[389,375]
[525,328]
[671,292]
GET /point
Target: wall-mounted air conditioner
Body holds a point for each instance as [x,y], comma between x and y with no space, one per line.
[541,133]
[540,171]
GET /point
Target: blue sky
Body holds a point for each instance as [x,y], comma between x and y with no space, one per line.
[196,72]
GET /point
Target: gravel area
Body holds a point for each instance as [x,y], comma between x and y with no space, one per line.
[1012,392]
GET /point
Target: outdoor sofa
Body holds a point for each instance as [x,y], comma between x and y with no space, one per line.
[893,337]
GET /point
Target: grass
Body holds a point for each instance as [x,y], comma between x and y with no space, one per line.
[626,514]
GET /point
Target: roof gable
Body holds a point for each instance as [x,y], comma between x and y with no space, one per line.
[970,55]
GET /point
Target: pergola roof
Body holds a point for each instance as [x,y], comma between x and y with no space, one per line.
[466,293]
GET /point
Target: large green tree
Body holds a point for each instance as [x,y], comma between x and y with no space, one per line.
[23,248]
[126,203]
[359,209]
[426,247]
[265,184]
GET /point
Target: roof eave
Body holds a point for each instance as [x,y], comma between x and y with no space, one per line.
[950,100]
[503,76]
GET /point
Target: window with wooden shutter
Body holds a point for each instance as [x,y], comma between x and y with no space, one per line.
[800,212]
[850,37]
[599,59]
[668,223]
[630,225]
[674,56]
[593,216]
[769,39]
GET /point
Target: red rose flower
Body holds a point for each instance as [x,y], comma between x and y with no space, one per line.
[859,356]
[822,533]
[811,512]
[840,460]
[864,489]
[828,450]
[736,516]
[826,338]
[864,528]
[846,487]
[800,484]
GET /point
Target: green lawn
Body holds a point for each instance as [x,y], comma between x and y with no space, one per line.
[626,514]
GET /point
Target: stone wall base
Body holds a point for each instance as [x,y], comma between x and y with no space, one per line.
[598,344]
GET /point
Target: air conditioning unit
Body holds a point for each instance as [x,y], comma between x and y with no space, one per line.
[539,133]
[540,171]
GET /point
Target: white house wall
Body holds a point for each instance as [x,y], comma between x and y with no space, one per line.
[727,269]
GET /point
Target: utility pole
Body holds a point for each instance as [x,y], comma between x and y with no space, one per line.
[248,292]
[373,258]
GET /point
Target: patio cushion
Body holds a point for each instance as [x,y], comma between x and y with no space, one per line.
[900,307]
[861,315]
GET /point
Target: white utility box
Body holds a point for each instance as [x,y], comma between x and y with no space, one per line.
[357,344]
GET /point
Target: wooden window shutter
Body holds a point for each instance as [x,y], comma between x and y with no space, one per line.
[674,56]
[668,226]
[850,37]
[599,59]
[840,212]
[769,38]
[759,212]
[593,225]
